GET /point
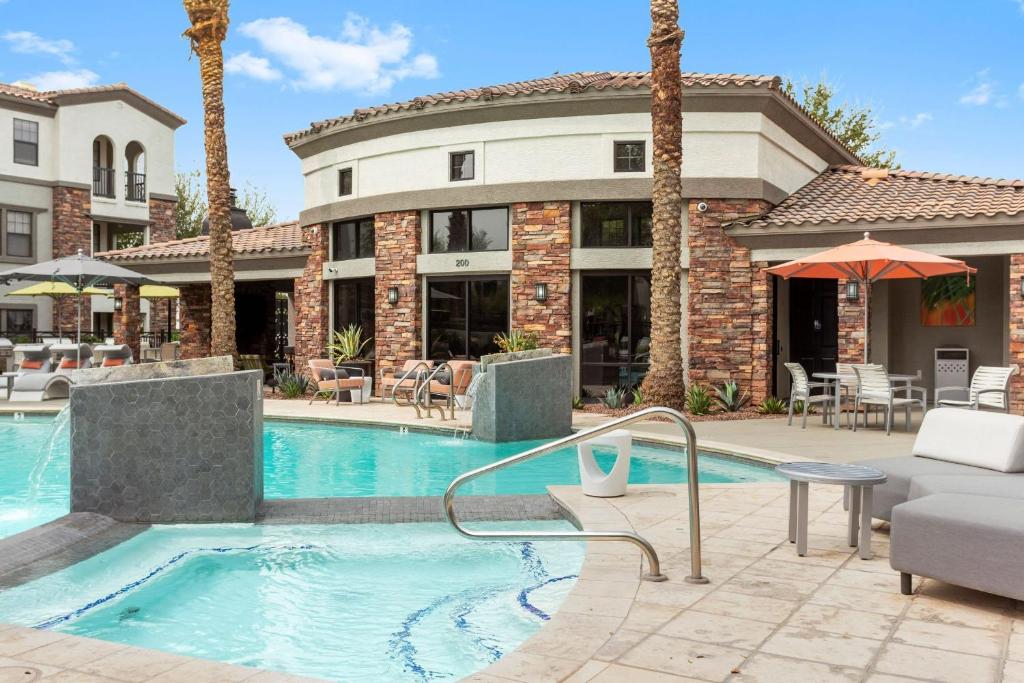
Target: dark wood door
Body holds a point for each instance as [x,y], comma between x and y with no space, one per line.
[814,324]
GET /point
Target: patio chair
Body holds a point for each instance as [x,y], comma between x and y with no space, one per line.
[330,380]
[34,358]
[875,389]
[800,390]
[990,388]
[456,383]
[114,355]
[392,377]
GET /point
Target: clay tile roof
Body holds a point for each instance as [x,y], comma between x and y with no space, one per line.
[12,90]
[849,194]
[573,83]
[281,238]
[53,97]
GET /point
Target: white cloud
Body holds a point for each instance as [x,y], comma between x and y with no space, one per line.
[63,80]
[27,42]
[982,92]
[916,120]
[247,64]
[363,58]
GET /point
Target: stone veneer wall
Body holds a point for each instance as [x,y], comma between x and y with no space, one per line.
[851,326]
[128,321]
[195,320]
[398,327]
[730,302]
[72,230]
[541,235]
[311,300]
[1016,333]
[161,229]
[182,449]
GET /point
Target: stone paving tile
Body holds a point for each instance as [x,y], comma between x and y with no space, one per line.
[201,671]
[684,658]
[72,652]
[986,643]
[818,646]
[845,622]
[1013,672]
[766,668]
[617,673]
[936,665]
[133,664]
[769,610]
[530,668]
[719,629]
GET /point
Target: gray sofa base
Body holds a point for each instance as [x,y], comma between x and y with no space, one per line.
[976,541]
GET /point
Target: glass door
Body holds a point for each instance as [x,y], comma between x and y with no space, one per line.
[616,330]
[465,315]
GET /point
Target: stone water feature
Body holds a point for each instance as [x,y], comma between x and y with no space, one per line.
[168,442]
[523,395]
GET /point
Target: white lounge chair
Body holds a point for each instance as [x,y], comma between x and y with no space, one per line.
[40,386]
[114,355]
[990,388]
[800,390]
[875,389]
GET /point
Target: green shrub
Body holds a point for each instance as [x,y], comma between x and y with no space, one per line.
[699,400]
[347,344]
[577,403]
[292,385]
[638,395]
[771,406]
[798,408]
[516,340]
[615,398]
[730,398]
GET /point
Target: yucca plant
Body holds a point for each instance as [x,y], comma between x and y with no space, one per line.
[516,340]
[614,398]
[347,344]
[730,398]
[771,406]
[699,400]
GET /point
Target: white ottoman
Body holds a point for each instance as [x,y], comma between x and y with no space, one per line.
[594,480]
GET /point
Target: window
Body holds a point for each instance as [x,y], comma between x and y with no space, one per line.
[18,234]
[353,239]
[344,182]
[469,230]
[616,224]
[18,321]
[460,166]
[629,157]
[465,315]
[26,142]
[354,305]
[616,330]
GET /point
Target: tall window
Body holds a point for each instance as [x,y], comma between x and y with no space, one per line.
[629,157]
[616,330]
[344,182]
[460,166]
[465,315]
[469,230]
[618,224]
[353,239]
[354,305]
[18,233]
[17,321]
[26,142]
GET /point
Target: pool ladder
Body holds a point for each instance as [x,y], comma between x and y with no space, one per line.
[419,396]
[693,493]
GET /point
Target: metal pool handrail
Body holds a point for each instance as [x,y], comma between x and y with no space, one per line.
[652,556]
[424,388]
[394,389]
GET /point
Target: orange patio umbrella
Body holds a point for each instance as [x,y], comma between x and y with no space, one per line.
[867,261]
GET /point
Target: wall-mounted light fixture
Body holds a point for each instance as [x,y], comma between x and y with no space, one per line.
[852,290]
[540,291]
[392,295]
[118,303]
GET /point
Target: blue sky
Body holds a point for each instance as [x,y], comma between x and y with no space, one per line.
[943,77]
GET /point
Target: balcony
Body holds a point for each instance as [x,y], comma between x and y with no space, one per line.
[135,187]
[102,181]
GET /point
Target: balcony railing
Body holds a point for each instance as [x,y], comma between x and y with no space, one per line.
[102,181]
[135,187]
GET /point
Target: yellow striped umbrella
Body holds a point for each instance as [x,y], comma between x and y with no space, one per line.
[56,291]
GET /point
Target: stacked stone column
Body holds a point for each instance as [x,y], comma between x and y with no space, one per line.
[72,230]
[194,311]
[541,235]
[161,229]
[398,327]
[128,321]
[1016,333]
[311,300]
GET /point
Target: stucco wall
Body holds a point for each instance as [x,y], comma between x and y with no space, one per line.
[46,170]
[39,199]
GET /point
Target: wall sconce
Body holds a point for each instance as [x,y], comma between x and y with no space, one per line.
[392,295]
[540,292]
[118,303]
[852,290]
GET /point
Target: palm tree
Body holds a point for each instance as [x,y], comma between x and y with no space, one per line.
[209,27]
[663,384]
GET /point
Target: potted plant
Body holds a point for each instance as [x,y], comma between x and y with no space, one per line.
[348,348]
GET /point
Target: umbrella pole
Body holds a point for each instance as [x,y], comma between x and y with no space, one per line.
[78,316]
[867,324]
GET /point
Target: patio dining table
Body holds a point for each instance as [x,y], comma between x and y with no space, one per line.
[836,379]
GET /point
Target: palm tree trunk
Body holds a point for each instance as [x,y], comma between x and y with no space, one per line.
[209,27]
[663,384]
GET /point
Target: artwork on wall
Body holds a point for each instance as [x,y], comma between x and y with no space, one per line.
[948,301]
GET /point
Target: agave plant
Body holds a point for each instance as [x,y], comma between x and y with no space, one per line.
[798,407]
[347,344]
[771,406]
[699,400]
[577,403]
[292,385]
[730,398]
[638,395]
[615,398]
[516,340]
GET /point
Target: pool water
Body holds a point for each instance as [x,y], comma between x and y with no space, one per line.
[396,602]
[309,460]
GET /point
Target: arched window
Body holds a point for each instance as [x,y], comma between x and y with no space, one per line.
[135,172]
[103,167]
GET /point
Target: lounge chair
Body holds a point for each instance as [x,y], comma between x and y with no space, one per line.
[393,377]
[114,355]
[331,380]
[990,388]
[800,390]
[454,383]
[34,358]
[40,386]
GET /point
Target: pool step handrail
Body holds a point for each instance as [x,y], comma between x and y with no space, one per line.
[423,396]
[413,372]
[693,493]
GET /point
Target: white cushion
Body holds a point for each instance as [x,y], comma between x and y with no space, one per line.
[994,441]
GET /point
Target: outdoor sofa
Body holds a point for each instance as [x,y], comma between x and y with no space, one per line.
[956,505]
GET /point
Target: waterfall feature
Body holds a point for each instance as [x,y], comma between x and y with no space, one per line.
[57,447]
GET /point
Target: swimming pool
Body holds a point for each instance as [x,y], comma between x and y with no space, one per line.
[313,460]
[396,602]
